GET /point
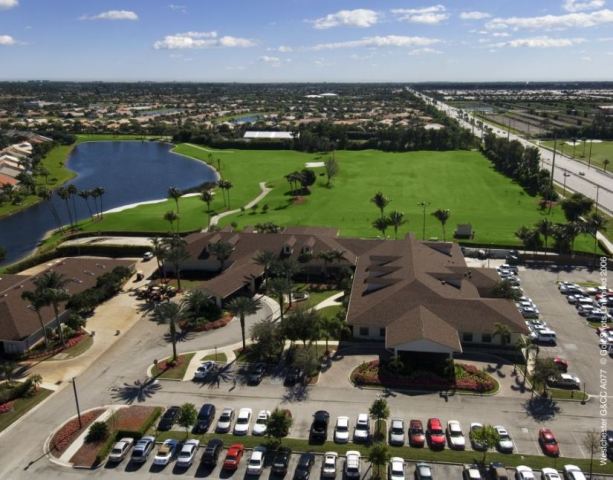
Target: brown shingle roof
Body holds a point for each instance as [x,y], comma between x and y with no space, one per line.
[420,323]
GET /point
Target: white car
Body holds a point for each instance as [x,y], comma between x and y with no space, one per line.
[203,370]
[188,453]
[165,452]
[471,472]
[397,432]
[396,469]
[524,473]
[256,461]
[573,472]
[341,430]
[505,442]
[550,474]
[455,437]
[147,256]
[352,464]
[142,449]
[120,449]
[225,420]
[361,433]
[241,427]
[328,467]
[261,423]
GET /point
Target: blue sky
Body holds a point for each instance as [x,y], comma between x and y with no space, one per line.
[306,40]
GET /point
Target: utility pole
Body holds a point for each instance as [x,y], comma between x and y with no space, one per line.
[76,399]
[553,161]
[423,205]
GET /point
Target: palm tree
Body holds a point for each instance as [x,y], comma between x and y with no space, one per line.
[171,217]
[171,313]
[605,163]
[396,219]
[241,306]
[197,304]
[85,194]
[381,224]
[175,194]
[378,455]
[265,259]
[228,186]
[52,287]
[545,227]
[222,252]
[37,302]
[381,201]
[72,192]
[572,231]
[176,253]
[595,222]
[159,250]
[503,332]
[64,195]
[45,194]
[207,197]
[442,215]
[97,193]
[280,287]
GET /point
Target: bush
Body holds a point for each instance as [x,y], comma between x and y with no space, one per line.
[18,391]
[97,432]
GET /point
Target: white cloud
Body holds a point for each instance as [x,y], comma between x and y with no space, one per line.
[539,42]
[569,20]
[7,40]
[500,34]
[475,15]
[360,17]
[281,49]
[380,41]
[112,15]
[6,4]
[425,51]
[178,8]
[428,15]
[201,40]
[272,61]
[579,6]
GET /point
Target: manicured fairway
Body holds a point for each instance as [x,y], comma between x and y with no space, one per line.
[461,181]
[600,151]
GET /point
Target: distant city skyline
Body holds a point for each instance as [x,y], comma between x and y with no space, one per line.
[306,40]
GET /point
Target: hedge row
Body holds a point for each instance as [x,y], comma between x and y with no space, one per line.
[18,391]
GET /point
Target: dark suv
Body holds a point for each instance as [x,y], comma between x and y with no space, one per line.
[205,418]
[305,464]
[211,452]
[255,375]
[281,461]
[319,427]
[169,418]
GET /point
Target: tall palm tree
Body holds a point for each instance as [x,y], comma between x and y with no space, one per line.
[85,194]
[381,224]
[65,196]
[381,201]
[176,253]
[228,187]
[159,250]
[595,222]
[73,191]
[45,194]
[396,220]
[265,259]
[222,252]
[503,332]
[97,193]
[545,227]
[572,231]
[280,287]
[442,215]
[37,301]
[605,163]
[175,194]
[207,197]
[241,306]
[170,313]
[171,217]
[52,287]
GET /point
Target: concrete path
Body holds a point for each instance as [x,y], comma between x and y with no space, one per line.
[215,218]
[113,241]
[330,301]
[80,440]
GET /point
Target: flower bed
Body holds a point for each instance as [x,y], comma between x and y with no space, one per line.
[6,407]
[467,378]
[205,327]
[64,437]
[132,418]
[71,342]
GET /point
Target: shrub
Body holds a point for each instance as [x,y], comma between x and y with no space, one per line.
[97,432]
[6,407]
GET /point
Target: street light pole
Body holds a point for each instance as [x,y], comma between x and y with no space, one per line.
[553,161]
[423,232]
[76,399]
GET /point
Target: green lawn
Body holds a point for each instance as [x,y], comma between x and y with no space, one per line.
[22,406]
[174,373]
[330,312]
[219,357]
[79,348]
[600,151]
[461,181]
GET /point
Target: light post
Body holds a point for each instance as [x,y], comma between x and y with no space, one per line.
[566,174]
[76,399]
[423,205]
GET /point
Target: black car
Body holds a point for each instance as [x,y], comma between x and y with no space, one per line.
[319,427]
[255,375]
[305,464]
[281,461]
[211,452]
[294,376]
[169,418]
[205,418]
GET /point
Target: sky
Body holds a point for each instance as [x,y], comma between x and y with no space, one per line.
[306,40]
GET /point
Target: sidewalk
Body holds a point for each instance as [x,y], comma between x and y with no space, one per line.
[80,440]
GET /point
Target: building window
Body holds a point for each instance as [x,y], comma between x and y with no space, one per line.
[467,337]
[382,332]
[486,338]
[364,331]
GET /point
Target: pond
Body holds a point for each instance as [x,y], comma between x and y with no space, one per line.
[129,171]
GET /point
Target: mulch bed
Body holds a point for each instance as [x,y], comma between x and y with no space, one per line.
[87,455]
[222,322]
[64,437]
[71,342]
[131,418]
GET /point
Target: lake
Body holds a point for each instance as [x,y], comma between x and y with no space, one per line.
[130,172]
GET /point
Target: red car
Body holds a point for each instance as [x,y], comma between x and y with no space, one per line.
[233,457]
[416,434]
[548,442]
[561,364]
[435,433]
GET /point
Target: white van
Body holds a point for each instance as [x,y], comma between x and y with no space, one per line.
[546,335]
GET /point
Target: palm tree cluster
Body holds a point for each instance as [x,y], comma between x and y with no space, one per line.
[173,250]
[395,219]
[300,181]
[225,187]
[68,194]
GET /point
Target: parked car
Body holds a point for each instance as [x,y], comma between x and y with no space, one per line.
[241,427]
[203,370]
[120,449]
[498,471]
[455,437]
[548,442]
[475,443]
[147,256]
[304,466]
[352,464]
[294,376]
[565,380]
[165,452]
[573,472]
[524,473]
[598,316]
[256,461]
[423,471]
[224,424]
[188,453]
[211,452]
[361,432]
[396,433]
[395,469]
[169,418]
[205,418]
[328,466]
[561,363]
[256,374]
[341,430]
[233,456]
[435,434]
[142,449]
[472,472]
[545,336]
[550,474]
[417,438]
[529,312]
[261,423]
[319,427]
[281,461]
[505,442]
